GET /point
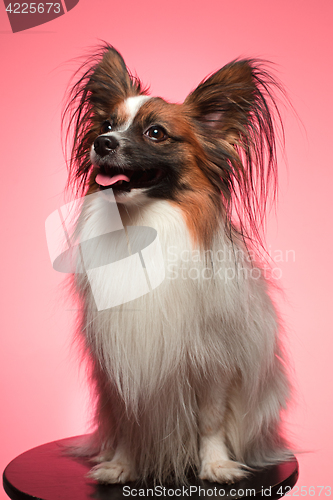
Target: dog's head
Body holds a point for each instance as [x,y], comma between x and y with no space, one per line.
[220,141]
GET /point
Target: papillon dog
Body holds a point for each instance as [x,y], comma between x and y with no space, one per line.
[190,376]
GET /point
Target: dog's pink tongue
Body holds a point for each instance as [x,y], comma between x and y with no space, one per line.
[108,180]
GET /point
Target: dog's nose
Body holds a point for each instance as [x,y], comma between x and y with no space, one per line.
[104,145]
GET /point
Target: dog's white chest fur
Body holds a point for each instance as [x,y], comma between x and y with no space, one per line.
[197,308]
[154,357]
[146,340]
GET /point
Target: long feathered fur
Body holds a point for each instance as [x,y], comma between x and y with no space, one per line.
[211,325]
[154,357]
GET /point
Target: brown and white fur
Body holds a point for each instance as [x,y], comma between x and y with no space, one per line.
[190,375]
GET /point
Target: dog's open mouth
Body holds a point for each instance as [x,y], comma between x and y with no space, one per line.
[127,179]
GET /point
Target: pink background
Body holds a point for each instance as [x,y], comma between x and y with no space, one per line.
[171,45]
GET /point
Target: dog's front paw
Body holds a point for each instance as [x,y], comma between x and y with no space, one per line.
[222,471]
[113,472]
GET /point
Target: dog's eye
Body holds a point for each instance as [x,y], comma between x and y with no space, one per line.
[156,133]
[106,127]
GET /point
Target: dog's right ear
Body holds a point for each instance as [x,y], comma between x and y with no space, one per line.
[110,83]
[92,99]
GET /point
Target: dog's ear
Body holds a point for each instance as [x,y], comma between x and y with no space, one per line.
[92,99]
[110,83]
[234,113]
[224,102]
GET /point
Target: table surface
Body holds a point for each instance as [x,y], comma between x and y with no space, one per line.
[47,472]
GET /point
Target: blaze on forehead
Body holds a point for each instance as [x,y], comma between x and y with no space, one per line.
[125,112]
[157,111]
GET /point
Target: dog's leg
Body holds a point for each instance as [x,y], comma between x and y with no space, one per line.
[118,470]
[216,465]
[115,463]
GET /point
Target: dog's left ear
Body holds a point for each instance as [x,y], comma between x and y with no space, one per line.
[235,115]
[225,100]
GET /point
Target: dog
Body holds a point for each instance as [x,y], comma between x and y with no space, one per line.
[190,376]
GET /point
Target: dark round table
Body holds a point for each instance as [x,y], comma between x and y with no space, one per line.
[49,473]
